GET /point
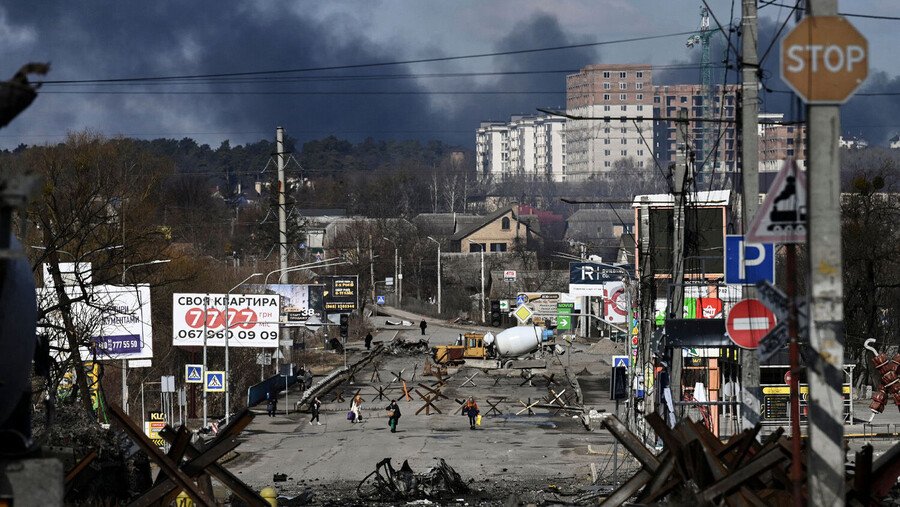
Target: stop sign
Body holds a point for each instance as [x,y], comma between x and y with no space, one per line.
[748,322]
[824,59]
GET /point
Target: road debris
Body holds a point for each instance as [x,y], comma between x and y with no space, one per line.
[388,484]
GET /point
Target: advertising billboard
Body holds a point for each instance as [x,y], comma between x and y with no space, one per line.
[341,293]
[298,302]
[115,319]
[252,320]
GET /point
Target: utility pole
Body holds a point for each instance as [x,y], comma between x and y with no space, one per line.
[282,215]
[750,198]
[647,292]
[826,311]
[676,304]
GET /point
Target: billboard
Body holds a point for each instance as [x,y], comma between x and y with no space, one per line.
[543,304]
[116,319]
[590,279]
[341,292]
[252,320]
[298,302]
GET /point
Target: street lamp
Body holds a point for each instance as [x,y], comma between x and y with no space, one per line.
[76,259]
[481,248]
[438,273]
[318,264]
[125,361]
[397,287]
[227,334]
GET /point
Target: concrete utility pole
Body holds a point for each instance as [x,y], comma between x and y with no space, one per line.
[282,212]
[750,198]
[676,304]
[825,463]
[647,292]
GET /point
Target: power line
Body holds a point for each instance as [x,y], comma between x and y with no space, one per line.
[847,14]
[368,65]
[272,92]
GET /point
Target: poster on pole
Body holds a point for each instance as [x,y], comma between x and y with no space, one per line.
[341,293]
[252,320]
[298,302]
[112,322]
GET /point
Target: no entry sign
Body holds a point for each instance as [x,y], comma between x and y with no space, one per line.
[748,322]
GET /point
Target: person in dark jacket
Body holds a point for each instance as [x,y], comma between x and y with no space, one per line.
[423,325]
[272,404]
[471,410]
[314,408]
[394,409]
[368,341]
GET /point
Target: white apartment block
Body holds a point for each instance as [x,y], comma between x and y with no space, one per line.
[527,146]
[618,99]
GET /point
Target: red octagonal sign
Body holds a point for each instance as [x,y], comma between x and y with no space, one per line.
[748,322]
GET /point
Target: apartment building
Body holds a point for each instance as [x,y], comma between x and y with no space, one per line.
[529,146]
[617,102]
[778,142]
[714,144]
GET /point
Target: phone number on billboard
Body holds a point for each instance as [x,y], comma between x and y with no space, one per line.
[220,335]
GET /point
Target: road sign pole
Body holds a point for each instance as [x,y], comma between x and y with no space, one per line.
[797,461]
[826,456]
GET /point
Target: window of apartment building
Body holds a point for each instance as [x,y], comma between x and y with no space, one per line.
[790,130]
[790,153]
[504,224]
[639,74]
[639,86]
[623,75]
[640,108]
[683,99]
[606,108]
[606,163]
[624,141]
[640,153]
[606,141]
[606,153]
[624,130]
[606,97]
[623,96]
[624,153]
[640,163]
[606,74]
[606,130]
[657,100]
[624,108]
[639,96]
[623,86]
[606,86]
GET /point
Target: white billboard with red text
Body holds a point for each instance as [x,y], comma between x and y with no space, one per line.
[252,320]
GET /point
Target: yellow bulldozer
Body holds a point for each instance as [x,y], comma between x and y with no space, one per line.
[472,348]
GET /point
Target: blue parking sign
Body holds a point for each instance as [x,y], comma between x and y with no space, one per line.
[747,263]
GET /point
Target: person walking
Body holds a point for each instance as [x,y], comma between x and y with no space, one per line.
[471,410]
[368,341]
[423,325]
[314,408]
[272,404]
[394,411]
[356,409]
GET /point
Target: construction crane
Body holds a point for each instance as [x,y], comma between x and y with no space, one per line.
[702,37]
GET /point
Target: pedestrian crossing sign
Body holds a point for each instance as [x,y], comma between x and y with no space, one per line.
[380,300]
[620,361]
[193,373]
[215,382]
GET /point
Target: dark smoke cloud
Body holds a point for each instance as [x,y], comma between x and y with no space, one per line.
[172,37]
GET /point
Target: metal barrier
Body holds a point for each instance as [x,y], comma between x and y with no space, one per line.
[257,393]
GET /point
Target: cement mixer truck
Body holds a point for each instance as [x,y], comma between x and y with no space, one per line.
[516,347]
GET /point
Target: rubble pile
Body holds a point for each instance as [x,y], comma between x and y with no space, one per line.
[403,347]
[388,484]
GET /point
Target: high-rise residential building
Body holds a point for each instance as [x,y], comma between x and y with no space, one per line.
[779,142]
[617,102]
[714,143]
[527,146]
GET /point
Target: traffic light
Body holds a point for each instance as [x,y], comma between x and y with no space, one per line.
[345,325]
[495,313]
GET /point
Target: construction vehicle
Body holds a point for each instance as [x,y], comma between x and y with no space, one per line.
[505,350]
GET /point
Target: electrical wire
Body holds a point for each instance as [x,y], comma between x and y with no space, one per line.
[367,65]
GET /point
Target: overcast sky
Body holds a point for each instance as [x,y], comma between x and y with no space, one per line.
[94,39]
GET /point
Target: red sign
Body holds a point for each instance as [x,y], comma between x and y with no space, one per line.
[787,377]
[748,322]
